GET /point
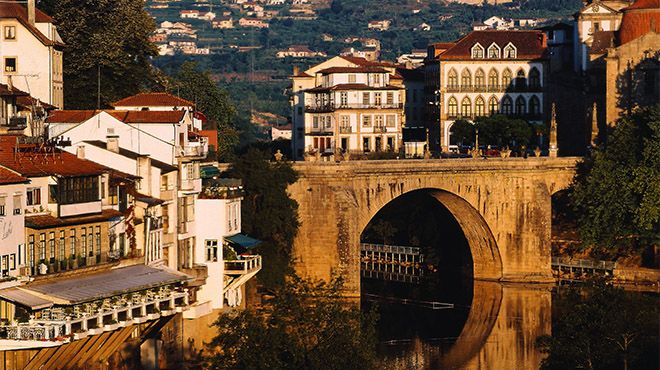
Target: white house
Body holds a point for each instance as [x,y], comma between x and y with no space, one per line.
[12,220]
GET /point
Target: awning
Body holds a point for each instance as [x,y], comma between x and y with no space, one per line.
[242,240]
[23,298]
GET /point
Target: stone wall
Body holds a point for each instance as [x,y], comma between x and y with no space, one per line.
[503,206]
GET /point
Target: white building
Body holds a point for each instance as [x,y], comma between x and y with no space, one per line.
[492,72]
[31,52]
[12,220]
[347,104]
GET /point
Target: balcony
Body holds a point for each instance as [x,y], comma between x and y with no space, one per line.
[197,148]
[345,129]
[243,266]
[333,107]
[191,185]
[380,129]
[74,209]
[320,131]
[492,88]
[16,123]
[527,117]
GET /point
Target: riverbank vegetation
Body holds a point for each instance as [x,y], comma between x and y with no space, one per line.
[305,325]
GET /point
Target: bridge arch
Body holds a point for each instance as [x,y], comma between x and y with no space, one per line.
[485,254]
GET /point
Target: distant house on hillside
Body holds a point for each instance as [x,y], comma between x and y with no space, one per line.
[252,22]
[381,25]
[223,23]
[370,54]
[194,14]
[423,27]
[300,51]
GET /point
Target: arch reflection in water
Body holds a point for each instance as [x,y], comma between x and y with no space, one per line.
[499,332]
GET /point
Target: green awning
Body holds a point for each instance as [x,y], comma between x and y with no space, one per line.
[207,172]
[242,240]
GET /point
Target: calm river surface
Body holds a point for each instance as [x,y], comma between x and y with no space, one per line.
[492,325]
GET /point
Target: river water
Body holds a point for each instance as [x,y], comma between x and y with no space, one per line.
[491,326]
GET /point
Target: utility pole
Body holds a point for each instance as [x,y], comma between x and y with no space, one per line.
[98,86]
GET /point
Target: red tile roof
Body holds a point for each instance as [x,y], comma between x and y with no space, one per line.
[142,116]
[341,87]
[638,19]
[27,101]
[644,4]
[31,161]
[530,45]
[10,177]
[5,90]
[153,99]
[366,69]
[48,221]
[19,12]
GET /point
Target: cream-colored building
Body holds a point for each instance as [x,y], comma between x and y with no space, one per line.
[492,72]
[31,52]
[347,104]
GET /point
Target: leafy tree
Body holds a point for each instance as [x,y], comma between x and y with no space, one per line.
[462,131]
[603,327]
[267,211]
[106,36]
[503,131]
[197,86]
[616,193]
[307,325]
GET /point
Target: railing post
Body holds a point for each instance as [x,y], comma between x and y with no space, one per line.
[56,331]
[115,314]
[99,318]
[83,323]
[143,308]
[129,311]
[186,297]
[67,326]
[172,301]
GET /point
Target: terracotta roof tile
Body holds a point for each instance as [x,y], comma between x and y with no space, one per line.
[365,69]
[153,99]
[638,20]
[341,87]
[19,12]
[5,90]
[10,177]
[30,161]
[529,44]
[126,116]
[48,221]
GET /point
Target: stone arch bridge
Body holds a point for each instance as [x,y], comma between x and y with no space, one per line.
[502,205]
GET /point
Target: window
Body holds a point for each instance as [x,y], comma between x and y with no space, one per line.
[52,193]
[492,105]
[366,120]
[90,243]
[315,122]
[366,144]
[378,120]
[520,105]
[452,107]
[211,250]
[98,240]
[493,78]
[343,98]
[479,106]
[466,78]
[10,64]
[453,78]
[534,105]
[510,51]
[17,204]
[31,250]
[506,78]
[378,98]
[2,205]
[78,190]
[33,196]
[480,78]
[365,98]
[190,208]
[493,52]
[42,247]
[477,51]
[390,98]
[83,242]
[507,105]
[12,261]
[391,120]
[521,81]
[51,246]
[466,107]
[534,78]
[351,79]
[345,121]
[10,32]
[377,79]
[596,26]
[72,241]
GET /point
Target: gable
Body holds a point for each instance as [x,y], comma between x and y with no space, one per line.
[598,8]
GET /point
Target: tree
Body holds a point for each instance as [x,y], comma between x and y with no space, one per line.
[307,325]
[503,131]
[603,327]
[616,193]
[197,86]
[267,211]
[107,39]
[462,132]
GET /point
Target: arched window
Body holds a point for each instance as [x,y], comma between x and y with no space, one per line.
[510,51]
[480,78]
[507,105]
[493,78]
[534,78]
[506,78]
[520,106]
[466,107]
[466,78]
[453,78]
[534,105]
[479,106]
[452,107]
[493,51]
[521,81]
[477,51]
[493,106]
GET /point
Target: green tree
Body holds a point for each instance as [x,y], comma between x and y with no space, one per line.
[107,39]
[267,211]
[503,131]
[603,327]
[462,132]
[307,325]
[616,193]
[197,86]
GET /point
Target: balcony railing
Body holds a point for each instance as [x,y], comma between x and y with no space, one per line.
[379,129]
[345,129]
[61,324]
[243,266]
[332,107]
[320,131]
[528,117]
[492,88]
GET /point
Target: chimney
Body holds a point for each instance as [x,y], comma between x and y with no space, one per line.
[296,70]
[80,152]
[112,143]
[31,11]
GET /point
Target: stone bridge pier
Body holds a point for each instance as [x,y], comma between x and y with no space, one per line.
[502,205]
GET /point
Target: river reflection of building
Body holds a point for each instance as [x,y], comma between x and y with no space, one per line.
[497,330]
